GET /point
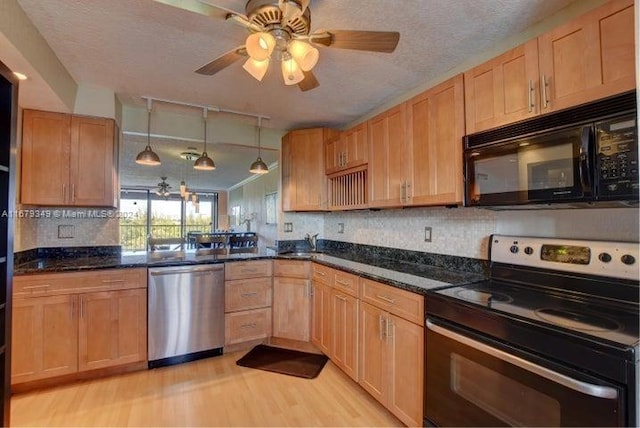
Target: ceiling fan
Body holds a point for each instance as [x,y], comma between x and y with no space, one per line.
[280,30]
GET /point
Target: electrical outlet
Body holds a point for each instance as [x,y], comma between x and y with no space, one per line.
[427,234]
[66,231]
[288,227]
[340,227]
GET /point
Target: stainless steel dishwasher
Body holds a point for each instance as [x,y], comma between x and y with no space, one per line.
[186,313]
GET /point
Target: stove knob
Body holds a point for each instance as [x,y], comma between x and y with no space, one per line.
[604,257]
[514,249]
[628,259]
[528,250]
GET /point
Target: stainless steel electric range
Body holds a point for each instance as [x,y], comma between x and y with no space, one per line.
[551,339]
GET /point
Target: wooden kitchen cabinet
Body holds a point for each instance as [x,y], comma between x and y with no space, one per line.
[322,277]
[585,59]
[503,89]
[292,300]
[344,332]
[66,323]
[387,145]
[348,151]
[433,168]
[588,58]
[391,349]
[304,185]
[112,328]
[45,337]
[68,160]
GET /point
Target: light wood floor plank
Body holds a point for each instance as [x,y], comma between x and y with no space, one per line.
[211,392]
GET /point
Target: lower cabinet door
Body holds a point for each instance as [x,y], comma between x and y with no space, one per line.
[112,328]
[405,356]
[372,366]
[292,308]
[321,317]
[344,332]
[45,338]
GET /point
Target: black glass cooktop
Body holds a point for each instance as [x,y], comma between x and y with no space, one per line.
[584,315]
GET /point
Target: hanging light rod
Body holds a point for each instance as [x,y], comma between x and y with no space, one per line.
[209,108]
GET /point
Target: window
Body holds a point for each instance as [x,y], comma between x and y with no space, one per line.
[144,214]
[270,200]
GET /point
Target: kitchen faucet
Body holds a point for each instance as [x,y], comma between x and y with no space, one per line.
[312,241]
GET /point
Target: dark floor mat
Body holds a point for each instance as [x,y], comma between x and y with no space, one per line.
[285,361]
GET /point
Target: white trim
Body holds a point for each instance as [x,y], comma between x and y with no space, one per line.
[250,179]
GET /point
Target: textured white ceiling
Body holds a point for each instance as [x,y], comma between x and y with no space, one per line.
[144,48]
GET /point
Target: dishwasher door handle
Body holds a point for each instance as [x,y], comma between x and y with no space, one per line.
[172,271]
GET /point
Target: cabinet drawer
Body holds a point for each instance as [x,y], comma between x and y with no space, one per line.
[405,304]
[346,282]
[292,268]
[247,325]
[246,294]
[321,273]
[79,282]
[252,269]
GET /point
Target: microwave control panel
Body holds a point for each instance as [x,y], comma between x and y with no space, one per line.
[617,157]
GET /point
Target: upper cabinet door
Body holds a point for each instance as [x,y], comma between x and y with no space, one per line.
[45,158]
[502,90]
[436,128]
[588,58]
[354,146]
[92,169]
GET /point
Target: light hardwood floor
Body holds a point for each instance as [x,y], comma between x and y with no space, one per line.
[211,392]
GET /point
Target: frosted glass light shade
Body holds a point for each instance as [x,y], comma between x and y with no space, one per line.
[260,45]
[304,54]
[256,68]
[291,72]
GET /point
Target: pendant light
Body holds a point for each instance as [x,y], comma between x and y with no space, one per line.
[147,156]
[204,162]
[259,167]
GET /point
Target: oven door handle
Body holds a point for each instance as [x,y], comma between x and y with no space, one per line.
[584,160]
[577,385]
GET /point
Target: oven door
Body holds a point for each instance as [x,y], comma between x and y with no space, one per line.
[551,167]
[470,382]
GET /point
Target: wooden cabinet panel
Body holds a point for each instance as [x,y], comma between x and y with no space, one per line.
[346,283]
[247,325]
[292,268]
[405,356]
[82,151]
[45,338]
[386,158]
[333,150]
[403,303]
[92,162]
[112,328]
[344,332]
[321,317]
[45,158]
[373,370]
[249,269]
[350,150]
[434,148]
[321,273]
[292,308]
[244,294]
[588,58]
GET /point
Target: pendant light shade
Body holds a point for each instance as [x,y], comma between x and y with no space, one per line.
[256,68]
[260,45]
[204,162]
[147,156]
[259,167]
[304,54]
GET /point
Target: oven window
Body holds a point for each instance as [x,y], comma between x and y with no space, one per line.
[487,389]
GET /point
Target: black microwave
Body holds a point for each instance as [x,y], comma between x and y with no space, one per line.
[584,156]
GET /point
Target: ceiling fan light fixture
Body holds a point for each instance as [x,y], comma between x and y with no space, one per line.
[304,54]
[291,71]
[256,68]
[260,45]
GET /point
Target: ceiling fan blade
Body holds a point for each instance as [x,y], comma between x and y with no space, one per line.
[374,41]
[223,61]
[196,6]
[309,82]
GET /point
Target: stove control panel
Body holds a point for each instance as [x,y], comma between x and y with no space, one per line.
[604,258]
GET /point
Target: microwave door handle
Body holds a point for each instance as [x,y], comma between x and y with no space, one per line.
[584,159]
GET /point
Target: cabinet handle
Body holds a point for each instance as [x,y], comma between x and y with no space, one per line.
[380,327]
[389,329]
[530,96]
[402,192]
[386,299]
[36,287]
[339,297]
[319,273]
[307,288]
[246,326]
[545,101]
[344,159]
[245,270]
[112,281]
[248,294]
[407,192]
[345,283]
[64,192]
[73,192]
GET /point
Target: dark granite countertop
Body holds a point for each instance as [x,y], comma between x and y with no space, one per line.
[414,277]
